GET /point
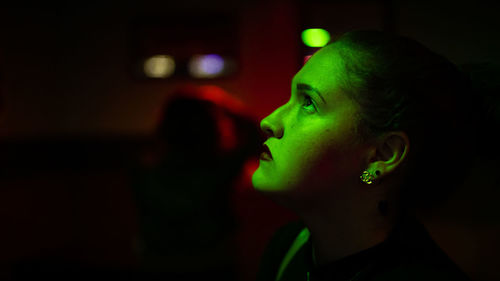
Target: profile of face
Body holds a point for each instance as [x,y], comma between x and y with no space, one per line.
[312,138]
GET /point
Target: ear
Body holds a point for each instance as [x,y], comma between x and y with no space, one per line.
[390,152]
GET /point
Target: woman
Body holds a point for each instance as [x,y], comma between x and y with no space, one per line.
[375,127]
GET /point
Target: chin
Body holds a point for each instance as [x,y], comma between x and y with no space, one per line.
[258,180]
[263,186]
[268,189]
[260,185]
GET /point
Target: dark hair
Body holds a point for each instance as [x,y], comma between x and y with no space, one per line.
[403,86]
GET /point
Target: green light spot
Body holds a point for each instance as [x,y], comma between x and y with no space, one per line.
[315,37]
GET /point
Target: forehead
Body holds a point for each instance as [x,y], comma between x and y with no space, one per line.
[323,70]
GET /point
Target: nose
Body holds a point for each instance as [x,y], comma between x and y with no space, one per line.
[272,125]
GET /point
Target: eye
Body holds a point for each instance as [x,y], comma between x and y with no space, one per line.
[308,103]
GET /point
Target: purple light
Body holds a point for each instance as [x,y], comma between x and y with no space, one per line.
[205,66]
[212,64]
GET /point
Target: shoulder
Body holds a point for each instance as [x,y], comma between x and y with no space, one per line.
[276,249]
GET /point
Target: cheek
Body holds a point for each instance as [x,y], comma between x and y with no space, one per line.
[330,165]
[303,164]
[335,169]
[309,160]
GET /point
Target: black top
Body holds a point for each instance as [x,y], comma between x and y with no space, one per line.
[409,253]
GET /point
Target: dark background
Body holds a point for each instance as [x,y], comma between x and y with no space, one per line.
[75,112]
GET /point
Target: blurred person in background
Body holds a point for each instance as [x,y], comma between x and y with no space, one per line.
[183,186]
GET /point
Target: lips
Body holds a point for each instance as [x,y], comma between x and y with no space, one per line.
[265,153]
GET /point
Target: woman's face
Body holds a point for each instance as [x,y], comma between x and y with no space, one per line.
[312,138]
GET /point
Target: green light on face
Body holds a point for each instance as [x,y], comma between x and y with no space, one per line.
[315,37]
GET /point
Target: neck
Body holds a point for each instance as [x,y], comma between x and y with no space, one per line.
[335,237]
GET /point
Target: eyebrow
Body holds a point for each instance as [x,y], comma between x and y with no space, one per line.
[302,86]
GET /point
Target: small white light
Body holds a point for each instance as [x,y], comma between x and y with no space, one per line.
[160,66]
